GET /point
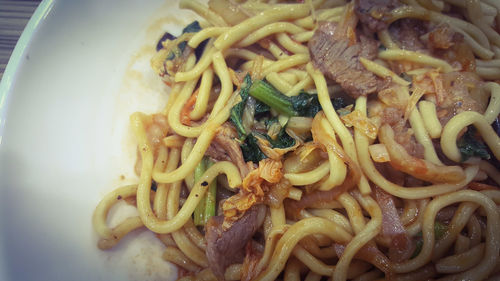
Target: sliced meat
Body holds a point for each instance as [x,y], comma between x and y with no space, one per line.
[337,57]
[407,33]
[224,246]
[373,13]
[225,147]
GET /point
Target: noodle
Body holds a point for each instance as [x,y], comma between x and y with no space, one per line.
[323,140]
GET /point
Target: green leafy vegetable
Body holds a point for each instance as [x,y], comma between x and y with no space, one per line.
[268,97]
[206,206]
[261,108]
[192,27]
[470,146]
[266,93]
[282,141]
[237,110]
[177,51]
[270,121]
[251,150]
[338,103]
[305,104]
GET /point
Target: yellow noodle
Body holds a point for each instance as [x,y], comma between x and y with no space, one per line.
[109,237]
[278,82]
[492,172]
[272,28]
[177,257]
[312,262]
[292,270]
[293,235]
[459,122]
[362,237]
[204,34]
[200,107]
[272,44]
[309,177]
[303,84]
[417,124]
[311,276]
[415,57]
[344,135]
[476,16]
[429,117]
[461,262]
[242,29]
[382,71]
[286,63]
[492,236]
[203,11]
[462,215]
[394,189]
[174,141]
[291,45]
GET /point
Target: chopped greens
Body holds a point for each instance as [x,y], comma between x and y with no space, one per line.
[237,110]
[190,28]
[166,36]
[282,141]
[206,207]
[266,93]
[235,117]
[261,108]
[338,103]
[270,121]
[267,98]
[469,146]
[305,104]
[251,150]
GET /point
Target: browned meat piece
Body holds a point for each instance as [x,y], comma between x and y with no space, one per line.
[407,32]
[226,148]
[373,12]
[224,246]
[338,58]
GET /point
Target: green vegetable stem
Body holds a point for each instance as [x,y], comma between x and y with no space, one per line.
[207,205]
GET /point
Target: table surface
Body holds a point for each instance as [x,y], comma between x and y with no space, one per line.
[14,15]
